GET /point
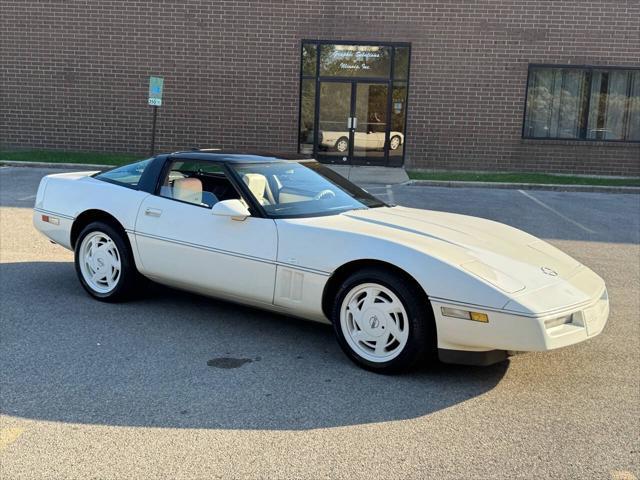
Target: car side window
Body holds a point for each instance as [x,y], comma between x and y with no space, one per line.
[200,183]
[127,175]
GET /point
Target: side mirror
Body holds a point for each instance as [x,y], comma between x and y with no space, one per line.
[233,208]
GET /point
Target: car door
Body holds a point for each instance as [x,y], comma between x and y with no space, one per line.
[181,243]
[360,140]
[377,140]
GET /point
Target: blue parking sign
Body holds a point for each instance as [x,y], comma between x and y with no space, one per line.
[155,91]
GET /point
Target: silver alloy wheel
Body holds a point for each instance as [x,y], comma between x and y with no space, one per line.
[342,145]
[374,322]
[100,262]
[394,143]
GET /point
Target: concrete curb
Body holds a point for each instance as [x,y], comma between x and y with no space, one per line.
[525,186]
[77,166]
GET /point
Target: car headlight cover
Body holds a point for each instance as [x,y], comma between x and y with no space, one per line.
[494,276]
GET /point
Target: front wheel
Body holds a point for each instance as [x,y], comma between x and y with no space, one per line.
[395,142]
[383,322]
[104,263]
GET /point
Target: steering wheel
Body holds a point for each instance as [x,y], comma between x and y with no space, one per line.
[325,195]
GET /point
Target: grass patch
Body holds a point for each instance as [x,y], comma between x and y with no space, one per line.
[515,177]
[57,156]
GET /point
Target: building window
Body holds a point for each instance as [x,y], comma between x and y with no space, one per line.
[583,103]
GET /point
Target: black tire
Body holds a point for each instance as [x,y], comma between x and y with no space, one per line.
[125,286]
[421,345]
[342,139]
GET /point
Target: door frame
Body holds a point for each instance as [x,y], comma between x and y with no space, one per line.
[389,81]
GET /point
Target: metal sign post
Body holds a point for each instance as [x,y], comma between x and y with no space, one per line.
[155,100]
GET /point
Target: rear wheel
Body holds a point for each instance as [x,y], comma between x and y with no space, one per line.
[104,263]
[383,322]
[342,145]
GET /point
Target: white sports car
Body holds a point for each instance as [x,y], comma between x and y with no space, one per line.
[361,140]
[399,285]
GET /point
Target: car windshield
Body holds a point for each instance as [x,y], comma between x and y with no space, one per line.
[304,189]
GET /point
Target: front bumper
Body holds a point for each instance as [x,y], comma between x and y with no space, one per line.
[508,331]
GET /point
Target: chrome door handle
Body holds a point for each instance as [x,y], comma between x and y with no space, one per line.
[153,212]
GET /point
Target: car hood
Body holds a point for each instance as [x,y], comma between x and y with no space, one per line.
[507,258]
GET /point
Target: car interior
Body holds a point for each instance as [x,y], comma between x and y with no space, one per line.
[198,187]
[206,188]
[281,189]
[259,187]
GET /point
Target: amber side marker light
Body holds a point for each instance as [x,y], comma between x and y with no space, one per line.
[465,314]
[52,220]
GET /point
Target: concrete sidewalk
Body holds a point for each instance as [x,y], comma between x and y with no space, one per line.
[367,175]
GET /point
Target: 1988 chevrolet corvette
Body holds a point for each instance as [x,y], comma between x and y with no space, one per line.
[399,285]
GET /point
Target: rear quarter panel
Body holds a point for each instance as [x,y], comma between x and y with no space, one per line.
[68,195]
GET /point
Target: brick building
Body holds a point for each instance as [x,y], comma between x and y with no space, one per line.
[479,84]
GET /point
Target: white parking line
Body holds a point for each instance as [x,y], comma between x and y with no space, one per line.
[8,436]
[30,197]
[564,217]
[622,475]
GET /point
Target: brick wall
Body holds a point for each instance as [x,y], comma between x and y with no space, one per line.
[74,74]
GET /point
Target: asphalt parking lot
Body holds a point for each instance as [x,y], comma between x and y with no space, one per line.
[135,390]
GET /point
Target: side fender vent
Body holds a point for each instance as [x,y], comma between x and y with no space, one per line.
[290,284]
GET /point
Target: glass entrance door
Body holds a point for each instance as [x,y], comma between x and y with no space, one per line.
[353,99]
[335,134]
[370,123]
[352,122]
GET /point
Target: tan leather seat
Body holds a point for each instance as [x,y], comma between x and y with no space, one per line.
[188,190]
[259,186]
